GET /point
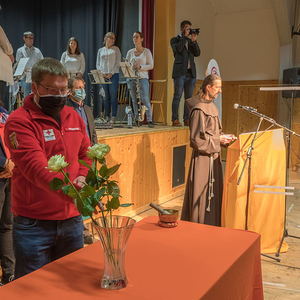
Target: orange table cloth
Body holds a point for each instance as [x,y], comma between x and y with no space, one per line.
[191,261]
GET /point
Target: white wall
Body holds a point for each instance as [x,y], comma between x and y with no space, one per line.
[201,14]
[245,43]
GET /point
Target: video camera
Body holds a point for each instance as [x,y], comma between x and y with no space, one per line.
[195,31]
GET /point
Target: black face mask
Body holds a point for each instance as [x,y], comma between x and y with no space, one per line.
[52,105]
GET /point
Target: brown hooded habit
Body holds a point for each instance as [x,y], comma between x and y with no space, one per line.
[203,194]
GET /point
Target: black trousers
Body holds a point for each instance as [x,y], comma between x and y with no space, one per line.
[4,94]
[6,224]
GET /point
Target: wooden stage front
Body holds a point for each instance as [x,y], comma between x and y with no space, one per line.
[146,158]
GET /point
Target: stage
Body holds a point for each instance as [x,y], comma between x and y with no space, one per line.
[154,163]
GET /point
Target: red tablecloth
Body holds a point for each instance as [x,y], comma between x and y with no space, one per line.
[191,261]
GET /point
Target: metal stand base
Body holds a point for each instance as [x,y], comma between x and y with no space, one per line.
[271,257]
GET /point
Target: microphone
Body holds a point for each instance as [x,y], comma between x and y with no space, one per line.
[239,106]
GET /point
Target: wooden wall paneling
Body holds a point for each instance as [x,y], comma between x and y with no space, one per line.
[145,174]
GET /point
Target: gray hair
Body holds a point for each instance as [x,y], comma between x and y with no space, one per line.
[47,66]
[26,33]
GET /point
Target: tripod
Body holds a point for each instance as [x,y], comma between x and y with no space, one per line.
[248,160]
[288,137]
[99,122]
[249,153]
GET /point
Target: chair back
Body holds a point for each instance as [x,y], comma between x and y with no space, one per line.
[157,90]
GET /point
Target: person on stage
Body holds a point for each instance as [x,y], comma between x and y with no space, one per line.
[185,48]
[203,193]
[34,54]
[142,61]
[73,59]
[108,62]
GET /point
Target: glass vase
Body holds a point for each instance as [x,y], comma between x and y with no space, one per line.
[113,233]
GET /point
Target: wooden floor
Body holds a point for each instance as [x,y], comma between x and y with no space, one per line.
[121,129]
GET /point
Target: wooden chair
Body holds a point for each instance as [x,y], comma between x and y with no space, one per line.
[123,93]
[157,93]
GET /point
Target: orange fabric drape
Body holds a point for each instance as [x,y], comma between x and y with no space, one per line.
[268,167]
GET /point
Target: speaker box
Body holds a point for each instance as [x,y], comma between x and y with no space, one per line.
[178,175]
[291,76]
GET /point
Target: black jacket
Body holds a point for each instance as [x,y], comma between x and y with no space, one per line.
[90,119]
[183,54]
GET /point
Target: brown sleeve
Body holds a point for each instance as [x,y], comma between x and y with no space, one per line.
[203,137]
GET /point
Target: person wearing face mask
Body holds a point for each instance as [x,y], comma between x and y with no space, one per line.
[76,100]
[47,224]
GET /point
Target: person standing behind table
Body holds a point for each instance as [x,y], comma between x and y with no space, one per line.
[205,167]
[185,48]
[7,257]
[6,71]
[47,224]
[108,62]
[76,100]
[73,59]
[34,54]
[142,62]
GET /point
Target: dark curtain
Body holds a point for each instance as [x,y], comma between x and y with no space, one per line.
[54,22]
[148,25]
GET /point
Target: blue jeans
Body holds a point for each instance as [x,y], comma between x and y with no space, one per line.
[38,242]
[26,87]
[184,83]
[145,96]
[111,96]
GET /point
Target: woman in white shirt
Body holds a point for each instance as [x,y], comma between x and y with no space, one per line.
[73,59]
[108,62]
[142,61]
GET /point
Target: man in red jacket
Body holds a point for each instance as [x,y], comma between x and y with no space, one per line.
[47,225]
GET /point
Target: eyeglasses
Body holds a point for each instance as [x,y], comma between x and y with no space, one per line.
[53,91]
[29,37]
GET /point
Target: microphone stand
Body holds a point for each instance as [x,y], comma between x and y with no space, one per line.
[248,158]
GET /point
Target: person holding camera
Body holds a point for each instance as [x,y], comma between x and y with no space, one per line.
[185,48]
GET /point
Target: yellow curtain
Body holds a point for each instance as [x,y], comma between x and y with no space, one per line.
[268,167]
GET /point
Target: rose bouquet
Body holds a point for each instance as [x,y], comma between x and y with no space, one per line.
[99,194]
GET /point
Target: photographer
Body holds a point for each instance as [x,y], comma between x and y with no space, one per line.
[185,48]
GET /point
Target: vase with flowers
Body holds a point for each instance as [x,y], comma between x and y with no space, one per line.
[99,194]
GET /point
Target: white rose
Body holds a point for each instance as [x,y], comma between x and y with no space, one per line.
[57,163]
[98,151]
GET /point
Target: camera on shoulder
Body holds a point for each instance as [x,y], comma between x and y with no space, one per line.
[195,31]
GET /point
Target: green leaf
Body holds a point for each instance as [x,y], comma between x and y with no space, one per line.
[56,184]
[113,170]
[87,191]
[84,163]
[100,193]
[88,208]
[103,171]
[69,191]
[113,189]
[115,203]
[91,178]
[126,204]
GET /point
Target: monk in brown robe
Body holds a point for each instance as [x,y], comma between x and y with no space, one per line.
[204,188]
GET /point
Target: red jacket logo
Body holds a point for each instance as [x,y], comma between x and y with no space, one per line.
[49,135]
